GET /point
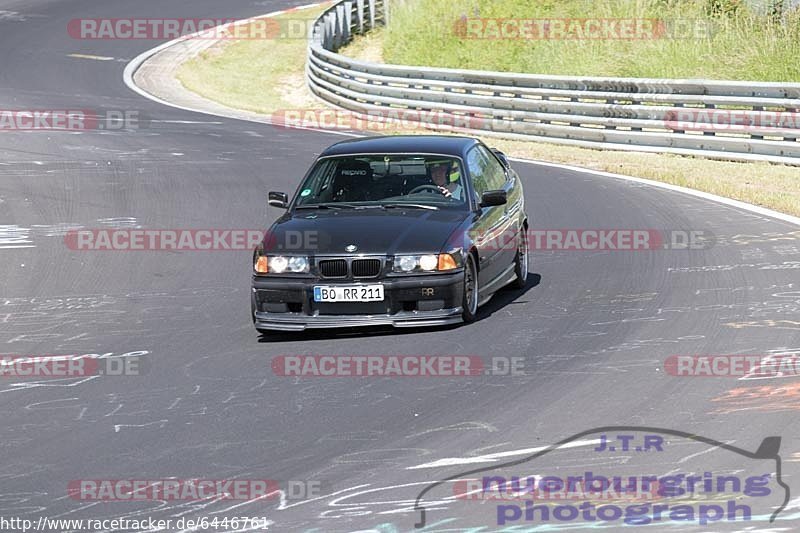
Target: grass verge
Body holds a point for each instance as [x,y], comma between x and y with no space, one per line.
[259,75]
[714,39]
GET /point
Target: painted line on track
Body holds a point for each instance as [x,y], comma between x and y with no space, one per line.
[492,457]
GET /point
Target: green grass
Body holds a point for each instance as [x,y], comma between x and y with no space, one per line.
[256,75]
[742,44]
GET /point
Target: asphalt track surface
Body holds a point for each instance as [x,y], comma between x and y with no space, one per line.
[594,328]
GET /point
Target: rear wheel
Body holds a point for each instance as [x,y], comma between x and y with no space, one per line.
[470,299]
[521,262]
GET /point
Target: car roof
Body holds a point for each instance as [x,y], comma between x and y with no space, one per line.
[403,144]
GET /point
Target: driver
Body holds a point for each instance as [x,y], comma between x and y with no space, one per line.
[447,178]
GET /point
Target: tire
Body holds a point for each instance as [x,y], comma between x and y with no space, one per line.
[521,263]
[469,301]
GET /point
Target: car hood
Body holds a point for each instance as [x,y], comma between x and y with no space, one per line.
[372,231]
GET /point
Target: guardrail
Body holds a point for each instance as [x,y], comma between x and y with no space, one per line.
[744,121]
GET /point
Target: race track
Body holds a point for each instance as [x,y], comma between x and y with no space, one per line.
[594,327]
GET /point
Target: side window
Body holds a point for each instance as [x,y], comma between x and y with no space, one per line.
[487,173]
[476,164]
[495,173]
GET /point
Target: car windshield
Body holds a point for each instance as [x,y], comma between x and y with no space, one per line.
[377,180]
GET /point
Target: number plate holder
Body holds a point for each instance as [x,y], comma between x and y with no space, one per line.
[348,293]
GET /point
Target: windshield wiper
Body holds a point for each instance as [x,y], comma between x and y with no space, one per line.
[328,205]
[412,206]
[343,205]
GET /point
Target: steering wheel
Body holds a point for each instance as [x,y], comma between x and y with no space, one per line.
[426,186]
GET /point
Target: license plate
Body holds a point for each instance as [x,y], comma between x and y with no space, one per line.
[352,293]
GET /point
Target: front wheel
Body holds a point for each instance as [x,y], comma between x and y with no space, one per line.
[470,299]
[521,262]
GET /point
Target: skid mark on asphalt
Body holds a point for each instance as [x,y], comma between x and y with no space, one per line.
[13,236]
[159,423]
[776,324]
[463,426]
[741,239]
[768,398]
[145,410]
[644,344]
[90,56]
[628,320]
[62,320]
[381,456]
[51,383]
[786,249]
[786,265]
[354,436]
[16,16]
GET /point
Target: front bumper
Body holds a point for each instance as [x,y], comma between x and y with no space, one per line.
[287,304]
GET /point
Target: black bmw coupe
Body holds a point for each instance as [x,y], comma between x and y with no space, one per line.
[395,230]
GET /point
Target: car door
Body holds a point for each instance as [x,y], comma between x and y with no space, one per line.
[500,178]
[514,208]
[492,228]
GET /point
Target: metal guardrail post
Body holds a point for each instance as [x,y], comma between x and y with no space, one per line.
[338,30]
[342,29]
[330,30]
[371,14]
[360,15]
[348,19]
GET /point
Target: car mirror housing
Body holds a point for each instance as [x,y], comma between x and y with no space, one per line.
[278,199]
[492,198]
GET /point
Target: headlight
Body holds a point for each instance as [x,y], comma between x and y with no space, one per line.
[424,263]
[407,263]
[280,264]
[428,262]
[298,264]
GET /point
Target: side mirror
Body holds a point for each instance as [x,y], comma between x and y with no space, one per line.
[278,199]
[490,198]
[502,157]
